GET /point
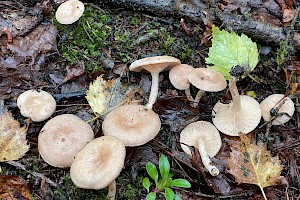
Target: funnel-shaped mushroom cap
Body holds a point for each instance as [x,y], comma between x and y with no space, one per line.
[201,130]
[98,163]
[231,122]
[207,80]
[274,101]
[38,105]
[206,138]
[133,124]
[69,11]
[178,76]
[154,64]
[62,138]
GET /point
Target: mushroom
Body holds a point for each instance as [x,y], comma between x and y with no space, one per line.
[154,65]
[133,124]
[69,11]
[206,80]
[61,139]
[206,138]
[98,164]
[285,105]
[242,114]
[178,77]
[38,105]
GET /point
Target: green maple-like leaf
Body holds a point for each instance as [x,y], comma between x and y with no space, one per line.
[229,50]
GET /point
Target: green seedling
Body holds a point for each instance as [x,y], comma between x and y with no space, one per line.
[164,183]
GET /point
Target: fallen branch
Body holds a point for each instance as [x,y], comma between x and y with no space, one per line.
[263,32]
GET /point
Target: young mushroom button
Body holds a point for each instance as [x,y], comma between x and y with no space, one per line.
[206,80]
[38,105]
[206,138]
[134,125]
[62,137]
[69,11]
[98,164]
[275,101]
[154,65]
[178,77]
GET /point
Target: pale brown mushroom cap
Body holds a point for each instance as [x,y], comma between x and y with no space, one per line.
[38,105]
[207,80]
[178,76]
[133,124]
[154,64]
[61,139]
[69,11]
[201,130]
[98,163]
[273,101]
[231,122]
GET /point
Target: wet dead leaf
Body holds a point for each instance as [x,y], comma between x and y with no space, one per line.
[105,95]
[253,164]
[13,143]
[288,15]
[41,40]
[13,187]
[73,72]
[176,112]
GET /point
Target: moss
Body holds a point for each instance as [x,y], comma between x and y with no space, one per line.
[281,53]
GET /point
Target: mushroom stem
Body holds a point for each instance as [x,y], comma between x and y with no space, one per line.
[236,99]
[112,190]
[198,96]
[213,170]
[188,94]
[153,91]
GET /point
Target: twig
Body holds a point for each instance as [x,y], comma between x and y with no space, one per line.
[36,174]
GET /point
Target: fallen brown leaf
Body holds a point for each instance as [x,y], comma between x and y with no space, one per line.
[253,164]
[13,187]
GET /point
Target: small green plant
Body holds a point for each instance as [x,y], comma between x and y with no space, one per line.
[164,184]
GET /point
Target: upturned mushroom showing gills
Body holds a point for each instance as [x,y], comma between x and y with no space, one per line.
[134,125]
[154,65]
[178,76]
[206,138]
[242,114]
[38,105]
[98,164]
[206,80]
[69,11]
[61,139]
[277,108]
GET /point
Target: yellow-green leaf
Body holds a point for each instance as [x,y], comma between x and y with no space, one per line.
[253,164]
[13,143]
[228,50]
[103,96]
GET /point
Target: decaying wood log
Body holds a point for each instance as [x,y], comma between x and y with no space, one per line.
[200,13]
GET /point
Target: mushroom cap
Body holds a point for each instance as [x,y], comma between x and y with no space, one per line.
[231,123]
[178,76]
[61,139]
[273,101]
[69,11]
[154,64]
[207,80]
[38,105]
[201,130]
[98,163]
[134,125]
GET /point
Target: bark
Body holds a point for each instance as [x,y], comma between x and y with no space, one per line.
[261,31]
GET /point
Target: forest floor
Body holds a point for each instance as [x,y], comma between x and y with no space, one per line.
[64,59]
